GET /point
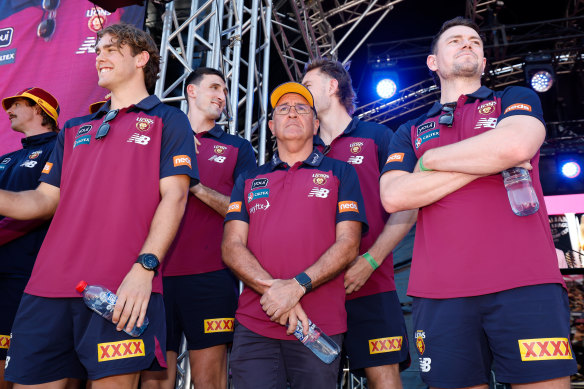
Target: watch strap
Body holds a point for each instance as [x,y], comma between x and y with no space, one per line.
[304,281]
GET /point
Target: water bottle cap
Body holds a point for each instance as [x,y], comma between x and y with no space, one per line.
[81,286]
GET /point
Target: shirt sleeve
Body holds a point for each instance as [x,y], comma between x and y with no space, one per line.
[177,152]
[51,173]
[245,159]
[383,141]
[517,100]
[350,204]
[401,155]
[237,209]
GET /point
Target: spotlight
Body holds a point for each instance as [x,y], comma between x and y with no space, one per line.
[539,72]
[542,81]
[386,88]
[571,169]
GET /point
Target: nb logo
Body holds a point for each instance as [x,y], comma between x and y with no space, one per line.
[88,46]
[355,159]
[319,192]
[139,139]
[425,364]
[29,163]
[217,158]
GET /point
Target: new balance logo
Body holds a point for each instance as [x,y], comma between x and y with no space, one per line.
[139,139]
[29,163]
[425,364]
[356,159]
[88,46]
[217,158]
[486,123]
[319,192]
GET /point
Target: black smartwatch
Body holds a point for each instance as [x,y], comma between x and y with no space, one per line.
[149,262]
[305,281]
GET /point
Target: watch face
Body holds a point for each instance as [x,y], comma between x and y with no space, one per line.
[150,261]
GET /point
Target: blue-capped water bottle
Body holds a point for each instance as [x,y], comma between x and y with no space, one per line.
[520,192]
[102,301]
[318,342]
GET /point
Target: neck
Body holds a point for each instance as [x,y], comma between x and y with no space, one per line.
[333,122]
[292,152]
[125,96]
[199,123]
[33,130]
[452,89]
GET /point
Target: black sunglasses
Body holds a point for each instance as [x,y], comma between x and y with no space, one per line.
[447,118]
[104,128]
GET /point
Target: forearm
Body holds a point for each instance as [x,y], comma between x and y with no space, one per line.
[244,264]
[31,204]
[397,226]
[513,142]
[336,258]
[401,190]
[219,202]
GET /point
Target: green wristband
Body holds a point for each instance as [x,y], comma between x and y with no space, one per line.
[422,167]
[371,261]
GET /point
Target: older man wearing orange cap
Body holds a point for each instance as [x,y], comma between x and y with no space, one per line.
[292,226]
[34,113]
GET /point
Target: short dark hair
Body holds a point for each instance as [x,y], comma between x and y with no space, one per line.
[138,41]
[336,70]
[47,120]
[457,21]
[197,75]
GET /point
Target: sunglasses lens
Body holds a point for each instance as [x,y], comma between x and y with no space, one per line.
[110,116]
[46,28]
[50,5]
[102,131]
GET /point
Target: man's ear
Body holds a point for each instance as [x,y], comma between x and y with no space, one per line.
[431,62]
[191,90]
[142,59]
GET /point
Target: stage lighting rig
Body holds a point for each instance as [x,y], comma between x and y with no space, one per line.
[539,72]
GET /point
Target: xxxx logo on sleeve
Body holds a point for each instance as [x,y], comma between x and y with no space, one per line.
[119,350]
[544,349]
[385,345]
[4,341]
[223,324]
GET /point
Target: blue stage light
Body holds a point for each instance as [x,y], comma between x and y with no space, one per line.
[542,81]
[571,169]
[386,88]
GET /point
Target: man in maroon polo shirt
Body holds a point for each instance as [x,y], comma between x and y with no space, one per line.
[117,184]
[487,289]
[376,340]
[200,293]
[293,224]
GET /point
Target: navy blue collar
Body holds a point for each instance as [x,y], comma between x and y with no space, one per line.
[37,140]
[314,159]
[216,131]
[146,104]
[350,128]
[482,93]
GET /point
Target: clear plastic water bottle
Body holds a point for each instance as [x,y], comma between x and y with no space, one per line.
[102,301]
[318,342]
[520,191]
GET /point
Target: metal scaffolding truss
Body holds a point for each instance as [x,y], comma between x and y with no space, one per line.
[229,35]
[304,30]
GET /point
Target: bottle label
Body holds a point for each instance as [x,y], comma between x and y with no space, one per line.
[109,297]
